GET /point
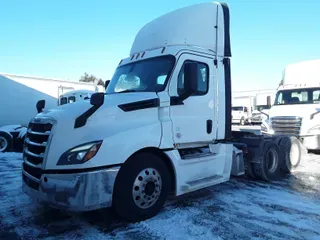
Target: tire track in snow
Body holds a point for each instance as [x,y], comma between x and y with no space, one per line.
[238,209]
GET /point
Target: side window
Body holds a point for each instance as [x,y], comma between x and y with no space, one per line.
[203,79]
[71,99]
[63,100]
[279,99]
[161,79]
[316,96]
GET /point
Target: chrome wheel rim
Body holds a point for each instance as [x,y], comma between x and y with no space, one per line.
[272,162]
[294,157]
[3,144]
[147,188]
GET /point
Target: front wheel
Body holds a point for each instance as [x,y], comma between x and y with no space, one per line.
[142,187]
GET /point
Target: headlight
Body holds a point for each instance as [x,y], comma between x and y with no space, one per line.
[80,154]
[264,128]
[314,130]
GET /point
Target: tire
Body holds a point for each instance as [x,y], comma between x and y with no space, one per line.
[248,169]
[5,142]
[136,187]
[278,140]
[290,153]
[269,168]
[242,121]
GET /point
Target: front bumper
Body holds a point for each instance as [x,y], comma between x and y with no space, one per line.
[84,191]
[311,142]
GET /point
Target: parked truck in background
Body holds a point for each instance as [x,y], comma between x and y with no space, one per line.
[297,105]
[240,115]
[162,127]
[261,107]
[242,109]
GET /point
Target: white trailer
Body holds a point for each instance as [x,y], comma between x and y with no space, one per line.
[297,105]
[19,95]
[162,127]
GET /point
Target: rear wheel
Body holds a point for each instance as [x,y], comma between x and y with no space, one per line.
[269,167]
[142,187]
[5,142]
[248,169]
[291,154]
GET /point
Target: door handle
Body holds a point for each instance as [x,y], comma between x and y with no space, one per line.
[209,126]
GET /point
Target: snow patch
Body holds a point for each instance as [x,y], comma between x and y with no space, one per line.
[238,209]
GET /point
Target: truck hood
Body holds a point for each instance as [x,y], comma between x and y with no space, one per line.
[299,110]
[109,122]
[111,102]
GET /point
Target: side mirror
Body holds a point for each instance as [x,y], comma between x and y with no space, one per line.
[106,84]
[268,101]
[97,99]
[190,78]
[40,105]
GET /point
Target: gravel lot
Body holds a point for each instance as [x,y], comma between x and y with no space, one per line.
[238,209]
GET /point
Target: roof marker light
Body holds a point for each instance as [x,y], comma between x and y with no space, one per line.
[143,54]
[164,48]
[137,55]
[132,57]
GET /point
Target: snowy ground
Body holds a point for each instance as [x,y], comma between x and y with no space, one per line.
[239,209]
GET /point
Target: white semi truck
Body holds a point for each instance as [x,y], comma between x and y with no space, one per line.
[297,105]
[162,127]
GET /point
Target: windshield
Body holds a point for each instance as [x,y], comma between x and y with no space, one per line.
[149,75]
[237,108]
[298,96]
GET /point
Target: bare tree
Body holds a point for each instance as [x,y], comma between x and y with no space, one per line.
[91,78]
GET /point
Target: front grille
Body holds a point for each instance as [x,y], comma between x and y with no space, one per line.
[36,141]
[30,182]
[286,125]
[32,171]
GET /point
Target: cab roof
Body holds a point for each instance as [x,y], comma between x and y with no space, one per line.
[204,25]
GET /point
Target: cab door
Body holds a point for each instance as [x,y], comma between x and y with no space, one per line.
[193,120]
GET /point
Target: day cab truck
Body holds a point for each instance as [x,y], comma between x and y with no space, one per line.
[297,105]
[163,126]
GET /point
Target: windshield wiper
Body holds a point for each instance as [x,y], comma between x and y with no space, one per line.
[127,91]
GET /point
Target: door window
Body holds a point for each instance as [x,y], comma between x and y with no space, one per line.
[203,79]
